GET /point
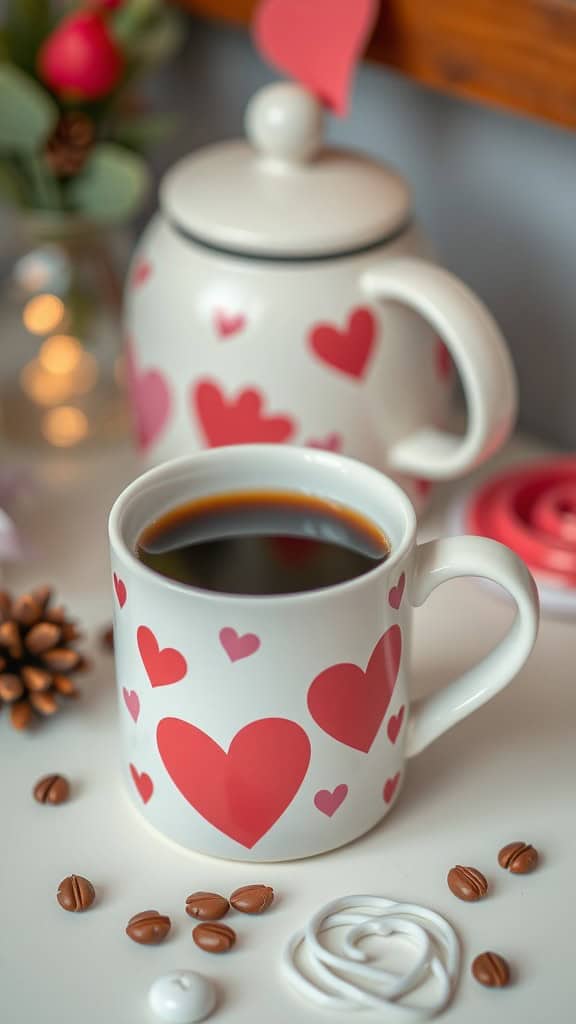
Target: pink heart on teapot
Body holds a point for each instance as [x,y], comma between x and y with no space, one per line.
[227,324]
[346,349]
[239,420]
[316,42]
[149,400]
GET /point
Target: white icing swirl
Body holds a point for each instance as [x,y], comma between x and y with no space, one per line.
[347,980]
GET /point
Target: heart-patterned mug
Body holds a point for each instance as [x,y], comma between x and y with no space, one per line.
[263,728]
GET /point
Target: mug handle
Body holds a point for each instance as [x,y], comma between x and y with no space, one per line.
[479,352]
[439,561]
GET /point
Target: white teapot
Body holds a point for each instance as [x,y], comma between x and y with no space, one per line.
[283,294]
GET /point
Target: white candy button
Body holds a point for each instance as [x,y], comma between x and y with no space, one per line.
[182,997]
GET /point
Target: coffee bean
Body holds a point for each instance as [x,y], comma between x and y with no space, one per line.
[52,789]
[252,899]
[207,906]
[491,969]
[519,858]
[148,928]
[75,893]
[467,883]
[214,937]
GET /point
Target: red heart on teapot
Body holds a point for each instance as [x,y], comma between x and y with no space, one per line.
[237,420]
[347,350]
[244,791]
[316,42]
[350,704]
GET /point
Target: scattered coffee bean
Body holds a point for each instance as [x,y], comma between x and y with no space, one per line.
[252,899]
[75,893]
[214,937]
[467,883]
[148,928]
[52,789]
[491,969]
[207,906]
[519,858]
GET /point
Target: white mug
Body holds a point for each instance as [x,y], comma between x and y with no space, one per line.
[272,728]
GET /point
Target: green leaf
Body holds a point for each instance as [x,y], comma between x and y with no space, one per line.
[156,41]
[27,113]
[112,185]
[141,131]
[26,24]
[11,185]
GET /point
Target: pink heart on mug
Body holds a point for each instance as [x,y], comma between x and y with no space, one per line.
[120,588]
[227,324]
[141,273]
[316,42]
[143,784]
[132,702]
[236,646]
[346,349]
[239,420]
[396,593]
[395,724]
[350,704]
[164,666]
[150,401]
[244,791]
[390,787]
[328,801]
[443,360]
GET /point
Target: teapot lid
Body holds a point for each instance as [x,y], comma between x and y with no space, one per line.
[280,194]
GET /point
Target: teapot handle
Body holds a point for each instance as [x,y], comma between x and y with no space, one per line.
[479,353]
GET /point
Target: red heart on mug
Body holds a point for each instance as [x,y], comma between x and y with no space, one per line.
[120,588]
[396,593]
[350,704]
[227,324]
[390,787]
[347,350]
[237,420]
[394,725]
[143,784]
[149,400]
[316,42]
[164,666]
[244,791]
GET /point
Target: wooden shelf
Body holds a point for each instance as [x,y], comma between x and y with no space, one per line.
[517,54]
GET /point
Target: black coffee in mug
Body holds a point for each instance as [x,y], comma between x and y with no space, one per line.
[262,542]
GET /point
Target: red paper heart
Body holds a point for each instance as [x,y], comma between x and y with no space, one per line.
[350,704]
[236,646]
[346,350]
[132,702]
[120,588]
[150,401]
[241,793]
[396,593]
[328,801]
[390,787]
[143,784]
[317,42]
[237,420]
[227,324]
[164,666]
[141,273]
[331,443]
[395,724]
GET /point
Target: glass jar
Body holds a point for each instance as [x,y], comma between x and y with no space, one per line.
[61,369]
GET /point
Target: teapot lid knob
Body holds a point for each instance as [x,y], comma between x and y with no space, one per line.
[284,123]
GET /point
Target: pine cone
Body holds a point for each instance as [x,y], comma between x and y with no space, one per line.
[37,658]
[69,146]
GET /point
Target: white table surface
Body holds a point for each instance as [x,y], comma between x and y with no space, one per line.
[506,773]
